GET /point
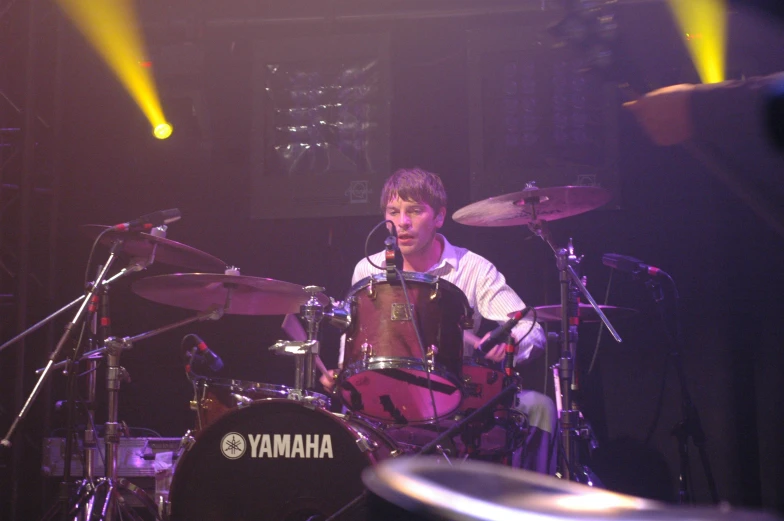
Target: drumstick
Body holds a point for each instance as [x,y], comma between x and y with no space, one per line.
[322,367]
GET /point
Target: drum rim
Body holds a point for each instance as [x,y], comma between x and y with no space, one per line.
[249,385]
[409,276]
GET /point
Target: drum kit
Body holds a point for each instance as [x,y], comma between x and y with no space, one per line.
[276,452]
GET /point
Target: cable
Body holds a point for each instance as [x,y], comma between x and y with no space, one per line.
[411,310]
[533,324]
[420,341]
[367,240]
[92,252]
[674,342]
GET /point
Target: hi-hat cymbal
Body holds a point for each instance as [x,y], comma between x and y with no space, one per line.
[138,244]
[547,204]
[201,291]
[585,312]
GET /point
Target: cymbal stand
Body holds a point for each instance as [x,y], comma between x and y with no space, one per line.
[571,288]
[99,499]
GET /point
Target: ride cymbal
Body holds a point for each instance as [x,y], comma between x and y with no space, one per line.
[518,208]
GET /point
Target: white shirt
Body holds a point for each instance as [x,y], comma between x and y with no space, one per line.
[484,287]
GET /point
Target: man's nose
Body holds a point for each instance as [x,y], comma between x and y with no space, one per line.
[403,221]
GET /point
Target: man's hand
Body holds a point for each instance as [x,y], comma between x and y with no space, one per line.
[496,354]
[328,381]
[665,114]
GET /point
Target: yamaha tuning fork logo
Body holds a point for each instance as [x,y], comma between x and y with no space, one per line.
[233,445]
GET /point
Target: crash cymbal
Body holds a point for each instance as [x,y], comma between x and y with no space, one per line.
[138,244]
[201,291]
[518,208]
[585,311]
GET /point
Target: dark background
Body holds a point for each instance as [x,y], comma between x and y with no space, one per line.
[672,213]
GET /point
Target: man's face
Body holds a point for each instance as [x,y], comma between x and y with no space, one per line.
[417,224]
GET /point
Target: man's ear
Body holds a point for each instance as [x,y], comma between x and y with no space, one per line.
[440,216]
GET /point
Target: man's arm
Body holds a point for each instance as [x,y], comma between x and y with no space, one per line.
[495,300]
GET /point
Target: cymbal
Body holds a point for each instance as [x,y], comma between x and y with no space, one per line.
[483,491]
[585,311]
[201,291]
[167,251]
[547,204]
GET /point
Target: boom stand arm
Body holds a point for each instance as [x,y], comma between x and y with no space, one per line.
[80,313]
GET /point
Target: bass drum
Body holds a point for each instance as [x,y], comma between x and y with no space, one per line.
[214,397]
[276,460]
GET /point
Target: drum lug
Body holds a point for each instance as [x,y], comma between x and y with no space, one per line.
[242,401]
[435,293]
[371,290]
[194,405]
[186,443]
[432,353]
[366,445]
[367,351]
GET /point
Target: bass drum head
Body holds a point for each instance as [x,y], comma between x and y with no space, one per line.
[276,460]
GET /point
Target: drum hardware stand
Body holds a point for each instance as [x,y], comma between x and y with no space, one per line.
[437,444]
[306,353]
[689,425]
[571,423]
[507,393]
[107,489]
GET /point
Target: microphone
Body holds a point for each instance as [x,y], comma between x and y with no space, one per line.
[211,360]
[150,221]
[630,264]
[392,254]
[502,331]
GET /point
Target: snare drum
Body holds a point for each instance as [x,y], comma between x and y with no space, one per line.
[214,397]
[386,375]
[276,460]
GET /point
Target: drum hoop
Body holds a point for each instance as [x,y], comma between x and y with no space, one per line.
[240,386]
[410,276]
[391,362]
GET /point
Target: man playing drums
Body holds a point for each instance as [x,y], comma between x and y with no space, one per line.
[415,201]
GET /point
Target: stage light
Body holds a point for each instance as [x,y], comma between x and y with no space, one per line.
[163,131]
[111,27]
[703,24]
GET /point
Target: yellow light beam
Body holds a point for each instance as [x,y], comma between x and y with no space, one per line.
[112,28]
[703,25]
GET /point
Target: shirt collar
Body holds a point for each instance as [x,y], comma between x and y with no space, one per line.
[448,255]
